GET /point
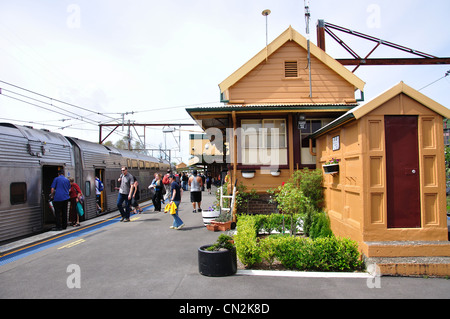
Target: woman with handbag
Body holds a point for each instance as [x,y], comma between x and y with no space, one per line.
[175,197]
[75,196]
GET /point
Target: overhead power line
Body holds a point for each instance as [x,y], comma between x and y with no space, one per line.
[446,74]
[56,100]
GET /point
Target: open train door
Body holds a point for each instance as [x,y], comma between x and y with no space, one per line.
[49,173]
[100,195]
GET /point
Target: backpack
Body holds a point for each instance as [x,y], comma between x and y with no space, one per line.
[100,185]
[166,179]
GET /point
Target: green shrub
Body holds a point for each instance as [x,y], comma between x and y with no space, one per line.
[268,249]
[336,254]
[294,252]
[246,245]
[310,183]
[320,254]
[320,226]
[224,241]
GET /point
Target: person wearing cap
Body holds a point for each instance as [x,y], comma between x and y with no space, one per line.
[175,197]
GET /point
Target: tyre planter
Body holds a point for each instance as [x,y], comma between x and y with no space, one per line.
[217,263]
[209,215]
[331,169]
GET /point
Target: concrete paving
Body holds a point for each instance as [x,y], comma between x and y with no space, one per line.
[146,259]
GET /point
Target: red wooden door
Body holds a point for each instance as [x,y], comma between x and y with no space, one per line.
[402,170]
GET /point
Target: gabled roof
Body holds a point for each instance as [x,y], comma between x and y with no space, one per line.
[291,35]
[359,111]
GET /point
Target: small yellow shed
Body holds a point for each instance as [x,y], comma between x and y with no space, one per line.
[389,193]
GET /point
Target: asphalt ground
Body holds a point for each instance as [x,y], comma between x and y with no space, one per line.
[145,259]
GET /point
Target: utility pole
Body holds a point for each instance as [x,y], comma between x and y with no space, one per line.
[307,18]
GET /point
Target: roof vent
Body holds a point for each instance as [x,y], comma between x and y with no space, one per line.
[290,69]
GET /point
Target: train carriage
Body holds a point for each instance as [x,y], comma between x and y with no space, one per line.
[96,160]
[30,160]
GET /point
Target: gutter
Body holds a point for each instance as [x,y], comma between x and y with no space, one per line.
[347,117]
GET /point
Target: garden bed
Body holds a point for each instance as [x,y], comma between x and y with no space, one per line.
[286,252]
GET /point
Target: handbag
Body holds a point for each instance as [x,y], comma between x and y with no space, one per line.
[171,208]
[80,209]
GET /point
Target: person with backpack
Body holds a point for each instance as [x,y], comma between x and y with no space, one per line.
[98,192]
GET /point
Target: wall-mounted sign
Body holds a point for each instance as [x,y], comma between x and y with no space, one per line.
[301,124]
[336,143]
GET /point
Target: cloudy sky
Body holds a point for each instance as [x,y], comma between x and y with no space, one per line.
[154,58]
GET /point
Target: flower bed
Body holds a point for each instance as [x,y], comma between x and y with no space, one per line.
[294,252]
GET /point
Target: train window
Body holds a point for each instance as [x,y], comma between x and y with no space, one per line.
[134,164]
[147,165]
[87,189]
[128,163]
[18,193]
[141,164]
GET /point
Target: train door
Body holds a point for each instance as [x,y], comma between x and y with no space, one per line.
[49,173]
[101,202]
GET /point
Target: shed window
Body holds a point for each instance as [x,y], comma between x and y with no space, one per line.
[312,125]
[290,69]
[18,193]
[263,142]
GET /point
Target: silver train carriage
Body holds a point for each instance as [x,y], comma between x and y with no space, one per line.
[30,160]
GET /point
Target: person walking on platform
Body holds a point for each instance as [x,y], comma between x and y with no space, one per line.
[175,197]
[60,193]
[125,180]
[136,195]
[195,182]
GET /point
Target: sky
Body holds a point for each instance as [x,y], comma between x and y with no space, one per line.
[145,61]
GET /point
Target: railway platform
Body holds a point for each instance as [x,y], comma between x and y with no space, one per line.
[145,259]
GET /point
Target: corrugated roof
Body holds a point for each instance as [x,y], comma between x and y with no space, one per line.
[270,107]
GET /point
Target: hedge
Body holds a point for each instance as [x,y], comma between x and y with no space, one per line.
[297,253]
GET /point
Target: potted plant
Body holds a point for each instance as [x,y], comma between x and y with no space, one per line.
[223,222]
[248,174]
[219,259]
[212,213]
[275,173]
[331,167]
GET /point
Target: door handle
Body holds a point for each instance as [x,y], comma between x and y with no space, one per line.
[411,171]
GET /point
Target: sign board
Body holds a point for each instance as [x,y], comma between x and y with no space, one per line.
[336,143]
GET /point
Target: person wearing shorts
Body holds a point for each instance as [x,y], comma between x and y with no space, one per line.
[195,182]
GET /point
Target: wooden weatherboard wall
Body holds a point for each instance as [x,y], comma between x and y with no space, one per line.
[279,74]
[356,198]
